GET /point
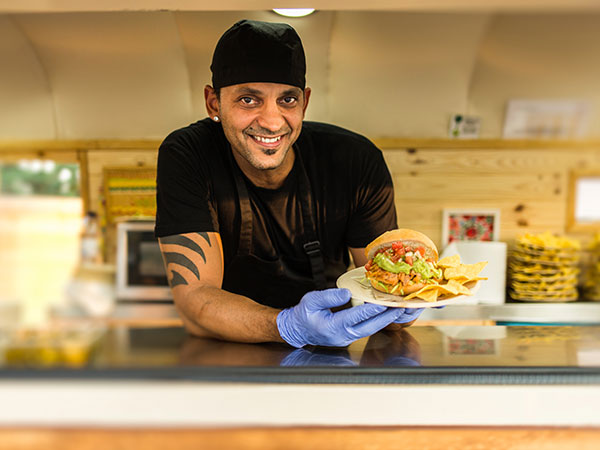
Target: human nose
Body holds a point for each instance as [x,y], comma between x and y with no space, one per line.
[270,117]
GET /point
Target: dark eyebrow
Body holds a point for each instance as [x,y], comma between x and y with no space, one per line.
[258,92]
[247,90]
[292,91]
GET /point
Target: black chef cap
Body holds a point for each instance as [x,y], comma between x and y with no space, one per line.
[252,51]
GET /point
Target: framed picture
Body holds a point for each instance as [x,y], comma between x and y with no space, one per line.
[470,225]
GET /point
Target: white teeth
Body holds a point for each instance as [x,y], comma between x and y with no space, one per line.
[267,140]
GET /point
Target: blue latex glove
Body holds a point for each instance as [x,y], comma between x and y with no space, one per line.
[301,357]
[408,314]
[311,322]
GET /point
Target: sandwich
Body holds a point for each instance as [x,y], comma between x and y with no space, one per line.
[401,262]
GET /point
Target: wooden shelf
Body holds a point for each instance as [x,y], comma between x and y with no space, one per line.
[385,143]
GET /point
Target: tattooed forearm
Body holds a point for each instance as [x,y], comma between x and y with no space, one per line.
[176,279]
[206,238]
[174,258]
[181,260]
[185,242]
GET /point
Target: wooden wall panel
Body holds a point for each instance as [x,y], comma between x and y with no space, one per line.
[99,159]
[491,160]
[528,185]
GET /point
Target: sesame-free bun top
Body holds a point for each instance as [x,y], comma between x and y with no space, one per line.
[410,238]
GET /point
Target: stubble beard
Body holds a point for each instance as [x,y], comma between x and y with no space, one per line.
[250,155]
[255,162]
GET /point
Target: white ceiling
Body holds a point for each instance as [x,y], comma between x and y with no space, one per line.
[339,5]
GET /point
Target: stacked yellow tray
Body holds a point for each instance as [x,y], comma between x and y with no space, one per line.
[544,268]
[591,280]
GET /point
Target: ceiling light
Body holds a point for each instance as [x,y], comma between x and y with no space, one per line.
[294,12]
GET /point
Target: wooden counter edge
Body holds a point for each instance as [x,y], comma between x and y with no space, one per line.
[291,438]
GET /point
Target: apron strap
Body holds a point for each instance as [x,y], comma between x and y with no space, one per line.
[317,265]
[312,246]
[245,242]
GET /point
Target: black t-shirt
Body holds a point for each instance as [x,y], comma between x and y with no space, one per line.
[351,188]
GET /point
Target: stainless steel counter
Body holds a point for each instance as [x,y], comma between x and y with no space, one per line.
[444,375]
[577,313]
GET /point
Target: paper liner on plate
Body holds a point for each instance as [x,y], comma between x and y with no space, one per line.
[362,293]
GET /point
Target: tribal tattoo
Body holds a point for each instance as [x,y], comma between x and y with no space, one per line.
[179,259]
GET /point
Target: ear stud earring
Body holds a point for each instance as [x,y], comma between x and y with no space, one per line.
[216,118]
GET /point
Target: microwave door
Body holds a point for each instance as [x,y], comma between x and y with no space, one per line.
[141,274]
[145,265]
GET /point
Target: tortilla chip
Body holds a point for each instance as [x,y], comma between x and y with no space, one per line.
[464,279]
[448,289]
[458,287]
[429,287]
[432,291]
[464,270]
[449,261]
[429,296]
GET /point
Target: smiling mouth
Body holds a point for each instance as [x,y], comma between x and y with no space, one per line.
[266,140]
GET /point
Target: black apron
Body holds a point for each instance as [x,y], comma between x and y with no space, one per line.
[274,283]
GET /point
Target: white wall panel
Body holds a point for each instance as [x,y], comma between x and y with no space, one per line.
[26,108]
[397,74]
[536,57]
[142,74]
[113,75]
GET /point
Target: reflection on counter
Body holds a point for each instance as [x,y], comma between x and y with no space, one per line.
[394,348]
[428,347]
[318,357]
[51,347]
[211,352]
[121,347]
[472,340]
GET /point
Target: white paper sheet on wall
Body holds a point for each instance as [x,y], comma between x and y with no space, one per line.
[546,119]
[586,199]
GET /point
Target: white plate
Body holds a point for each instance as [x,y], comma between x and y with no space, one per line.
[361,293]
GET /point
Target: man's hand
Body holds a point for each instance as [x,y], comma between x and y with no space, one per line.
[311,322]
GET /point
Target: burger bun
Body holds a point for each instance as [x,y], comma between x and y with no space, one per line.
[410,238]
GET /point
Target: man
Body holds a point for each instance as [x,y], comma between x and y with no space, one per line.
[256,210]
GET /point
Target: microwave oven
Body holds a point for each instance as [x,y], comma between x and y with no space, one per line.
[141,274]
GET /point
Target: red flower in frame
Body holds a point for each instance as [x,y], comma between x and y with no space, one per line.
[472,232]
